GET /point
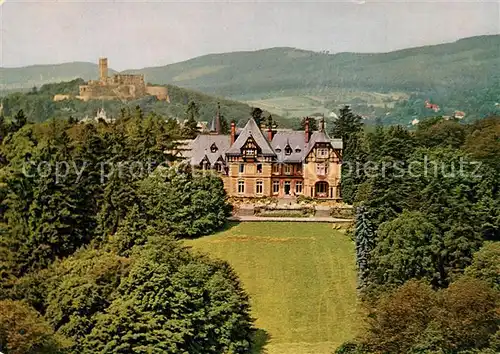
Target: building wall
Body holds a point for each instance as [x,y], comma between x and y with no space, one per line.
[159,92]
[249,176]
[306,174]
[332,174]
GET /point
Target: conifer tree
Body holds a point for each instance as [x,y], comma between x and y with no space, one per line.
[257,115]
[365,242]
[348,127]
[190,129]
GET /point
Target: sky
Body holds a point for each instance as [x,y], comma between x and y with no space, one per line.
[136,34]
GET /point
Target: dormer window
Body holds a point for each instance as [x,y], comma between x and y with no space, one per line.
[278,150]
[297,150]
[322,152]
[288,150]
[249,149]
[213,148]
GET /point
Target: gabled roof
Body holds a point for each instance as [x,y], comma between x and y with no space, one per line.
[322,137]
[201,147]
[251,129]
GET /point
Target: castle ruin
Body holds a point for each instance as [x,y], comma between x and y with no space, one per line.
[119,86]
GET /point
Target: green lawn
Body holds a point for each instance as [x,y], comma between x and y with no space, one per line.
[301,280]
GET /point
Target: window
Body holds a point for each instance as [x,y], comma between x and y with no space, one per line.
[259,168]
[278,150]
[322,189]
[276,187]
[288,150]
[288,169]
[218,167]
[205,165]
[242,167]
[259,187]
[276,168]
[213,148]
[297,150]
[320,169]
[241,186]
[322,152]
[298,169]
[298,187]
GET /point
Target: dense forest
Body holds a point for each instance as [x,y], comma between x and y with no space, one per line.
[90,221]
[92,218]
[427,234]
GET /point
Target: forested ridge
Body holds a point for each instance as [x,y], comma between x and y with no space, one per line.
[427,234]
[458,76]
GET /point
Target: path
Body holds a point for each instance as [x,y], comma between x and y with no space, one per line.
[288,219]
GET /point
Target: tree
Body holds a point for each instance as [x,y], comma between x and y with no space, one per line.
[348,127]
[3,128]
[118,199]
[132,231]
[190,129]
[200,307]
[416,319]
[257,115]
[19,121]
[224,125]
[80,287]
[445,133]
[313,124]
[408,247]
[23,330]
[184,204]
[399,318]
[486,264]
[365,242]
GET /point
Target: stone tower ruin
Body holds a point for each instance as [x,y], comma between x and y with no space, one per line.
[103,69]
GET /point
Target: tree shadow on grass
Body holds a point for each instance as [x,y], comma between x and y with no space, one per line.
[228,226]
[259,341]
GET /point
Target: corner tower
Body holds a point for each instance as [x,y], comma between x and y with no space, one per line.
[103,69]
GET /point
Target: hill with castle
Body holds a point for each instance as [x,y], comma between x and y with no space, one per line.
[118,86]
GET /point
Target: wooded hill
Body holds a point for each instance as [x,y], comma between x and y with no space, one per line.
[463,75]
[38,104]
[470,62]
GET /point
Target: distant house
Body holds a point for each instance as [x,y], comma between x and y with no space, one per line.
[432,106]
[255,162]
[459,115]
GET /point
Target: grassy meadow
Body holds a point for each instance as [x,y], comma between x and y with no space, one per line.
[301,280]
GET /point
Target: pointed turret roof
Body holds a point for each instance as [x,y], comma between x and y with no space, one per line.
[215,126]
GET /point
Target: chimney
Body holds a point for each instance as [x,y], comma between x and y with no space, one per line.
[270,134]
[322,124]
[307,130]
[233,132]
